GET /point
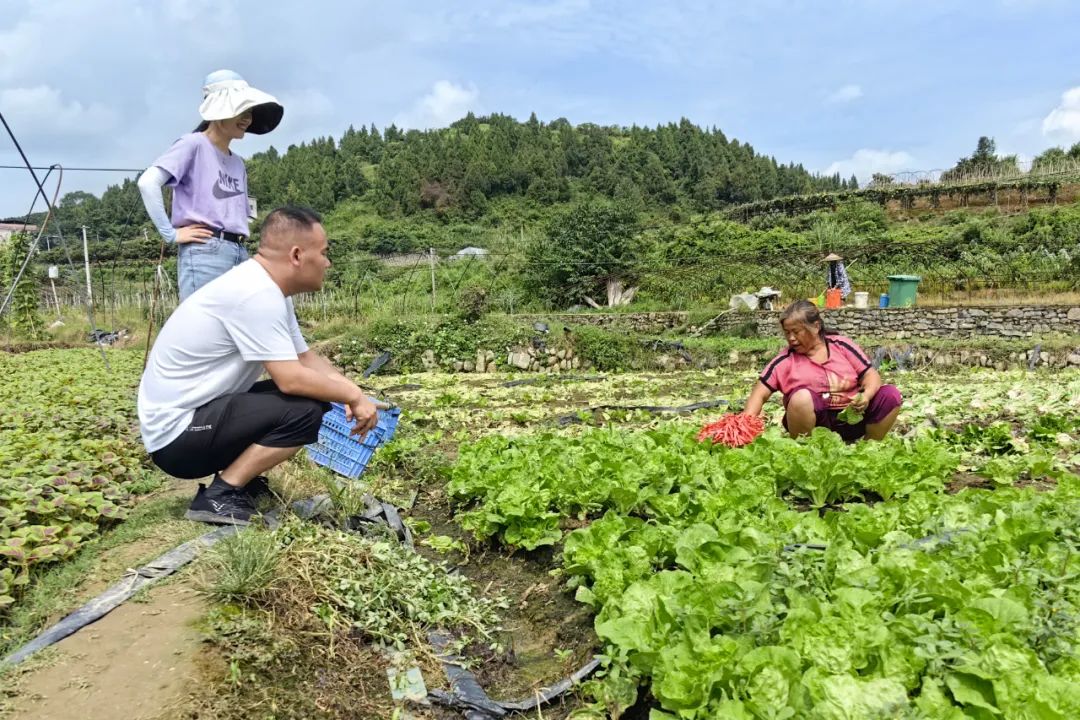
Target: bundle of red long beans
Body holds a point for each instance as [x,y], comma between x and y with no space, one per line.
[733,430]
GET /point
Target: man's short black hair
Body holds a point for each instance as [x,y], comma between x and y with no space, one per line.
[289,217]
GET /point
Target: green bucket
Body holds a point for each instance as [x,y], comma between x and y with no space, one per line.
[903,290]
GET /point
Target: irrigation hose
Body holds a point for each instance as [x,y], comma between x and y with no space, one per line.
[100,606]
[565,420]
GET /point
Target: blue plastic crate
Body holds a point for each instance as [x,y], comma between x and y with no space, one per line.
[386,425]
[348,458]
[345,453]
[390,418]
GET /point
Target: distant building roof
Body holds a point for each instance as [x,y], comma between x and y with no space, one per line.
[467,252]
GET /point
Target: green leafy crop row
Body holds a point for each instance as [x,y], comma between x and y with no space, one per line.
[938,606]
[809,578]
[523,487]
[69,455]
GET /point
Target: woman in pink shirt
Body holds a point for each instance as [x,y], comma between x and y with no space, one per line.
[821,374]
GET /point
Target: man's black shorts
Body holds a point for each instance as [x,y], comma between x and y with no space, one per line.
[223,428]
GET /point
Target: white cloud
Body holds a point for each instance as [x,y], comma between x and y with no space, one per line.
[203,14]
[306,105]
[698,35]
[847,93]
[536,14]
[445,103]
[18,48]
[42,110]
[865,162]
[1064,121]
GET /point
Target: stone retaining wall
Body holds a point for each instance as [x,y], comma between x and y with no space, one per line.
[647,323]
[527,358]
[910,356]
[946,322]
[873,327]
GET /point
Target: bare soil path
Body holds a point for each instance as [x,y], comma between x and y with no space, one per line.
[136,663]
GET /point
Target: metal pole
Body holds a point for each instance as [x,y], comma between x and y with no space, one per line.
[431,258]
[55,298]
[86,262]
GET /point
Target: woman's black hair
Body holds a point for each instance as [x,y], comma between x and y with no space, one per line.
[202,126]
[806,312]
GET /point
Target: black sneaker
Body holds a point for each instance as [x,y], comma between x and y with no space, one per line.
[259,488]
[221,504]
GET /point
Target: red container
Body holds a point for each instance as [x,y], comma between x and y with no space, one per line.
[833,299]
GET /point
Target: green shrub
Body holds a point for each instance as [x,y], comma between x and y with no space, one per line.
[584,247]
[607,350]
[448,337]
[23,315]
[473,303]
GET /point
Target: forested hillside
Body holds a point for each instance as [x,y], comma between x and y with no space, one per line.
[477,171]
[569,215]
[459,170]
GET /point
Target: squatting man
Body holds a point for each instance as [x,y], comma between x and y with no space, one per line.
[203,410]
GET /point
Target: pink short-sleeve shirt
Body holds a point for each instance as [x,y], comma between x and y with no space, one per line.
[836,380]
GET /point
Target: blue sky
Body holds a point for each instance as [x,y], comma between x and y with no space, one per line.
[872,86]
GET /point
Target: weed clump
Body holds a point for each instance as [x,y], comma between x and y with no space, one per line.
[377,590]
[365,588]
[242,566]
[309,605]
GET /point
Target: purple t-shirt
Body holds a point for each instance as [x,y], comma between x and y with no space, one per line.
[209,187]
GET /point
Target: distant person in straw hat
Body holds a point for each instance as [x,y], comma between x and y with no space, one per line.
[838,277]
[209,221]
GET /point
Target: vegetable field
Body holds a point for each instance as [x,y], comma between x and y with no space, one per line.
[69,456]
[933,575]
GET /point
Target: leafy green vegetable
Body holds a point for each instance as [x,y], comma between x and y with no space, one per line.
[893,598]
[519,489]
[849,414]
[69,453]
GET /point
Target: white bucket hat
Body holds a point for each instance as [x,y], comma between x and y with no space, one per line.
[226,95]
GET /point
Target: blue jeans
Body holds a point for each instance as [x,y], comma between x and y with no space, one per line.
[199,263]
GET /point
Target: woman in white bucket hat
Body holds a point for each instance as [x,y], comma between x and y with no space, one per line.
[209,220]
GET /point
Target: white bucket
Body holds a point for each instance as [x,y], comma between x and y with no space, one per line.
[861,299]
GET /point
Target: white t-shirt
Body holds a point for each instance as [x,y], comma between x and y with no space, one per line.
[215,344]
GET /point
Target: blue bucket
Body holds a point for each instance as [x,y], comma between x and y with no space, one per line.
[883,301]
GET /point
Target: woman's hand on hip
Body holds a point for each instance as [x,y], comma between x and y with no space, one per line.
[193,234]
